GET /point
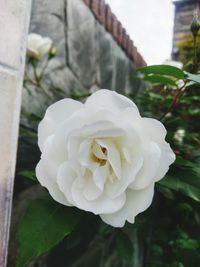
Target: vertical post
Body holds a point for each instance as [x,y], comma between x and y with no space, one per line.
[14,21]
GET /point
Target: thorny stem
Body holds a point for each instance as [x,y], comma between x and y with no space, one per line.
[40,76]
[37,81]
[177,96]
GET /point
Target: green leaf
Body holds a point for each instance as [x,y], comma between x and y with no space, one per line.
[44,225]
[28,174]
[124,246]
[193,77]
[189,186]
[163,70]
[158,79]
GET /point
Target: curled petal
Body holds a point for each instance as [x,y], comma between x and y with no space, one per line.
[103,204]
[51,185]
[113,155]
[45,46]
[109,100]
[55,115]
[146,175]
[136,202]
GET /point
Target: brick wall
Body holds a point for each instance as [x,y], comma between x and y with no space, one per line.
[105,16]
[93,49]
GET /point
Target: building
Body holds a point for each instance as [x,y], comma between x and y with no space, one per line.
[184,10]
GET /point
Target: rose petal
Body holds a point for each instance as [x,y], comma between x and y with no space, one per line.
[100,175]
[51,186]
[110,100]
[45,46]
[65,178]
[166,159]
[33,41]
[103,204]
[97,151]
[146,176]
[49,159]
[84,155]
[112,154]
[156,130]
[129,173]
[136,202]
[90,191]
[54,115]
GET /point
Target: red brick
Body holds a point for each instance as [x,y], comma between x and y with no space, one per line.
[95,7]
[123,35]
[102,11]
[105,16]
[119,33]
[138,62]
[129,46]
[141,62]
[124,39]
[108,18]
[125,42]
[134,54]
[114,27]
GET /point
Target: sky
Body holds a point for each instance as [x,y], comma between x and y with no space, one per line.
[149,24]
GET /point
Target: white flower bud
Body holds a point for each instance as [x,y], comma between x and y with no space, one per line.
[38,46]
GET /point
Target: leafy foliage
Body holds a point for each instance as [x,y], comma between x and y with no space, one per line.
[167,235]
[164,70]
[44,225]
[124,246]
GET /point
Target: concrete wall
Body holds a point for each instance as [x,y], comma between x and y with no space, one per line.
[88,56]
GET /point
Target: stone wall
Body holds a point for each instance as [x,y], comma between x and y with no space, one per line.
[88,56]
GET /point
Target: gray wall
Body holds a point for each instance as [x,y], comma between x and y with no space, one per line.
[88,56]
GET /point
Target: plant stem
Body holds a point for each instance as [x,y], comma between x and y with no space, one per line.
[195,53]
[37,81]
[40,76]
[177,96]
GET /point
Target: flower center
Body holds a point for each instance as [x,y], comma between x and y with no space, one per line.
[99,153]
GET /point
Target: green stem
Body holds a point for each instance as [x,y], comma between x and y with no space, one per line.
[37,82]
[40,76]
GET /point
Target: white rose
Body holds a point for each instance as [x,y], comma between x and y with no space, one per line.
[38,46]
[179,135]
[102,156]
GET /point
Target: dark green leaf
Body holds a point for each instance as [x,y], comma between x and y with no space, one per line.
[124,246]
[189,186]
[158,79]
[44,225]
[163,70]
[28,174]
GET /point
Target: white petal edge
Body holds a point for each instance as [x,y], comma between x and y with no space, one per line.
[110,100]
[50,185]
[137,201]
[55,114]
[103,204]
[147,173]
